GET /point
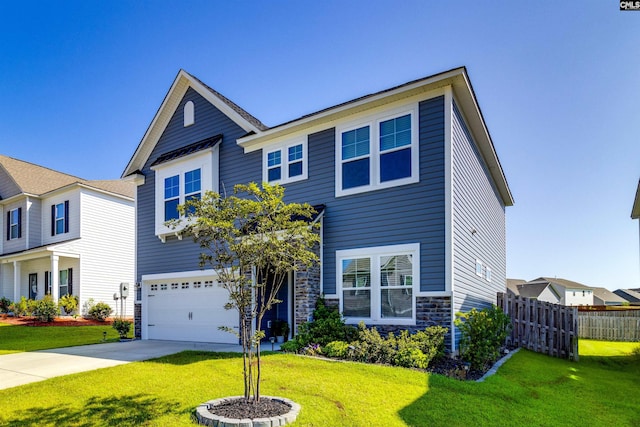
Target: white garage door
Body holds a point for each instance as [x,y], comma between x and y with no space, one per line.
[189,310]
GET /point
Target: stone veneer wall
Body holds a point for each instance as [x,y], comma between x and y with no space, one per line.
[430,311]
[306,290]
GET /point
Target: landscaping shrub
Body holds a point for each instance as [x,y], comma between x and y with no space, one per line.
[100,311]
[291,346]
[483,335]
[5,303]
[338,349]
[19,308]
[327,325]
[45,309]
[371,347]
[122,326]
[69,303]
[431,341]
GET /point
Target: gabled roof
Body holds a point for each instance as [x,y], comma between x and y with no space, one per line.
[35,180]
[567,284]
[635,211]
[631,295]
[531,290]
[172,99]
[606,295]
[259,135]
[513,285]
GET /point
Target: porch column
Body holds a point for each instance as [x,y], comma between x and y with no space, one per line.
[16,280]
[55,278]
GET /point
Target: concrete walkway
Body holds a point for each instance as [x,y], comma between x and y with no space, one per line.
[23,368]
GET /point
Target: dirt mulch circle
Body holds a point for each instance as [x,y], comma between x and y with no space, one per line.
[58,321]
[242,409]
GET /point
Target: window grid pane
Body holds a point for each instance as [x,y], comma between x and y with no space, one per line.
[274,158]
[192,181]
[295,153]
[355,143]
[395,133]
[172,187]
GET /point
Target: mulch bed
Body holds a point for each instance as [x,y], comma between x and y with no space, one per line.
[242,409]
[58,321]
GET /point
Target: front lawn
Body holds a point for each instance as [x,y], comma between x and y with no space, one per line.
[14,339]
[530,389]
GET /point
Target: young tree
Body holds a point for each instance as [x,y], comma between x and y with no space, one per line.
[252,240]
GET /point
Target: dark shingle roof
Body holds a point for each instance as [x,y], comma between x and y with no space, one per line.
[189,149]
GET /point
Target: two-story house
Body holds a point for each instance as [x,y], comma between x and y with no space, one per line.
[64,235]
[562,291]
[411,196]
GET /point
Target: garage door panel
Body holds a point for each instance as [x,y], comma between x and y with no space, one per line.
[180,311]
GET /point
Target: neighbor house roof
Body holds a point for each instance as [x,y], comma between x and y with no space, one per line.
[568,284]
[513,285]
[606,295]
[31,179]
[631,295]
[635,211]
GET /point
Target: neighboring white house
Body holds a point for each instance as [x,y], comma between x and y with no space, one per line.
[569,293]
[64,235]
[542,291]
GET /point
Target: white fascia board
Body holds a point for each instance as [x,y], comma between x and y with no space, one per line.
[323,118]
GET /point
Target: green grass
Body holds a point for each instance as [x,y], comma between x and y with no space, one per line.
[15,339]
[530,389]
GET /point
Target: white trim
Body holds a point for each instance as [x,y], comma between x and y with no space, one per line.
[449,246]
[284,162]
[375,253]
[208,163]
[193,274]
[373,123]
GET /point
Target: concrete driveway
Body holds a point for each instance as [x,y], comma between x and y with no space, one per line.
[23,368]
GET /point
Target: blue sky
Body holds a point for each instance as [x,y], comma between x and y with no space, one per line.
[558,84]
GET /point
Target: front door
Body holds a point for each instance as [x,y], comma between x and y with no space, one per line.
[33,286]
[278,313]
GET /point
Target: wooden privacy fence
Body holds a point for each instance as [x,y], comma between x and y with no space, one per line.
[541,326]
[610,325]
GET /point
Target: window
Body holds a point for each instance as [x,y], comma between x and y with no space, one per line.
[189,114]
[376,153]
[171,197]
[60,218]
[378,284]
[14,224]
[286,163]
[487,274]
[180,180]
[65,285]
[478,268]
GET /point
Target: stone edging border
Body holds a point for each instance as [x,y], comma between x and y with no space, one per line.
[495,367]
[204,417]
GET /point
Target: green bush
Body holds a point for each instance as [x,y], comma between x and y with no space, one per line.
[431,341]
[19,308]
[122,326]
[5,303]
[45,309]
[327,325]
[100,311]
[338,349]
[371,347]
[69,303]
[291,346]
[483,334]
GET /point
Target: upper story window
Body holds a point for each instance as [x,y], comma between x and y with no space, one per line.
[379,284]
[378,152]
[14,224]
[286,163]
[60,218]
[180,180]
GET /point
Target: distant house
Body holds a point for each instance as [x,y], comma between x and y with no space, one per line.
[414,197]
[556,291]
[603,296]
[630,295]
[64,235]
[542,291]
